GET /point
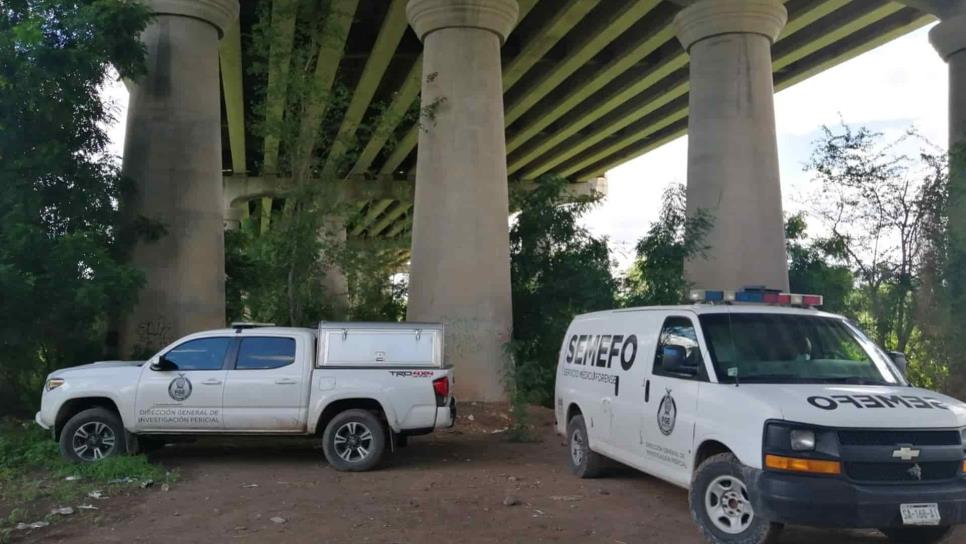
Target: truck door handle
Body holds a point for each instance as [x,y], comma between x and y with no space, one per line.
[285,381]
[211,381]
[647,390]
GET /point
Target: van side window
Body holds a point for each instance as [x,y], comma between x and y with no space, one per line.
[265,353]
[678,351]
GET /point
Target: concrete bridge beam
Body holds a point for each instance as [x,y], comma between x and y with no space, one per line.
[732,146]
[460,271]
[173,154]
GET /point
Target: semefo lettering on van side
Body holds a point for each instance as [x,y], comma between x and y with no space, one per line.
[832,402]
[600,350]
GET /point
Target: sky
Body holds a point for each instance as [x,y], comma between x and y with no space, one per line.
[901,84]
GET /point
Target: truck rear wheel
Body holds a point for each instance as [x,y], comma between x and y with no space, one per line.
[354,441]
[92,435]
[917,535]
[584,462]
[721,504]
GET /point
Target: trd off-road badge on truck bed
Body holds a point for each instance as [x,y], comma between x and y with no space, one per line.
[667,414]
[180,388]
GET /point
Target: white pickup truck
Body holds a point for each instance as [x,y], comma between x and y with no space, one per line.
[359,386]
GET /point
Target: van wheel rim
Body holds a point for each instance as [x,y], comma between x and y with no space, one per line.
[728,505]
[353,442]
[93,441]
[577,447]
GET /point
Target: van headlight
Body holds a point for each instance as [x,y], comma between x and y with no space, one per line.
[802,440]
[54,383]
[962,433]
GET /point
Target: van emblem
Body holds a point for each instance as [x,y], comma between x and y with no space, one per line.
[905,453]
[180,388]
[667,414]
[916,472]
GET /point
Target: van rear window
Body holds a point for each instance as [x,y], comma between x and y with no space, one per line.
[789,348]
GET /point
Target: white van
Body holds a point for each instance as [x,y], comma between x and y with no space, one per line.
[769,414]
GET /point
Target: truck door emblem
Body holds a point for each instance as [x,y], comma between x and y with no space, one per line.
[905,453]
[916,472]
[667,414]
[180,388]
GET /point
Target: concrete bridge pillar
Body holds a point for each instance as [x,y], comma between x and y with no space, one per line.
[173,154]
[460,271]
[732,145]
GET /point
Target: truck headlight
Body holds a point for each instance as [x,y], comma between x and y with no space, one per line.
[54,383]
[802,440]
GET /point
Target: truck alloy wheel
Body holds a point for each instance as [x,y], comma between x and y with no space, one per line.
[354,441]
[92,435]
[721,504]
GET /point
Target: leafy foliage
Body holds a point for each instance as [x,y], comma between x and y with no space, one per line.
[61,272]
[558,270]
[814,266]
[657,275]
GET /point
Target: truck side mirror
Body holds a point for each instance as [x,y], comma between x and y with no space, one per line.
[899,359]
[674,359]
[164,365]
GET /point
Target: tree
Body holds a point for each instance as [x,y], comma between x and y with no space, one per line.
[815,268]
[876,202]
[558,270]
[61,271]
[657,275]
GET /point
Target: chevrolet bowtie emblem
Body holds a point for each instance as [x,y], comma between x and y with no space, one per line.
[905,453]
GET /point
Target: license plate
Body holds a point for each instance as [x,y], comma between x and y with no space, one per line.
[920,514]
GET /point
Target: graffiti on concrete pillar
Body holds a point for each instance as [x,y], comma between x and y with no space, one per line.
[155,333]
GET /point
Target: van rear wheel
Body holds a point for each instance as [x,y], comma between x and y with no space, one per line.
[354,441]
[722,507]
[917,535]
[584,462]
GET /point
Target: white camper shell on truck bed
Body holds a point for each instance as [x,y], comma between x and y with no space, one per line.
[361,387]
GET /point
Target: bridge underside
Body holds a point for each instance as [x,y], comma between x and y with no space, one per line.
[587,84]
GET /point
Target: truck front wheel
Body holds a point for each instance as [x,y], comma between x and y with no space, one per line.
[92,435]
[354,441]
[721,504]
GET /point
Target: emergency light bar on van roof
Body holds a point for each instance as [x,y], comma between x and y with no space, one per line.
[759,296]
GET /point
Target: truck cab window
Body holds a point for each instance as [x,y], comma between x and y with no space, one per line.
[678,350]
[265,353]
[200,354]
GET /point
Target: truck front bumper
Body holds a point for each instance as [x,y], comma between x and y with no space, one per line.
[39,420]
[836,502]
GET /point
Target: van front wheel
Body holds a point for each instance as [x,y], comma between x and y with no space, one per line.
[721,504]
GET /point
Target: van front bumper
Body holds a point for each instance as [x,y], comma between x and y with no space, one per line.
[836,502]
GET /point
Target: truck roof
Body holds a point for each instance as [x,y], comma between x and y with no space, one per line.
[704,308]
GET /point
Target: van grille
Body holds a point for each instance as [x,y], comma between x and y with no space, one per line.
[894,438]
[902,472]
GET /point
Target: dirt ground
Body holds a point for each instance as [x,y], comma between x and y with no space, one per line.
[446,487]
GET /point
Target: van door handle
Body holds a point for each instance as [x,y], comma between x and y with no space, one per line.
[285,381]
[647,390]
[211,381]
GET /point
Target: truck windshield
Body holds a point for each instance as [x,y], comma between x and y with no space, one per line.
[788,348]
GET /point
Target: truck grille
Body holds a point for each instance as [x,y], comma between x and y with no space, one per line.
[894,438]
[902,472]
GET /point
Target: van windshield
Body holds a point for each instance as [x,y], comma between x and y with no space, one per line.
[788,348]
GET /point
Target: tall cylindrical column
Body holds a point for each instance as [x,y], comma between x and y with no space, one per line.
[460,271]
[732,147]
[334,281]
[173,154]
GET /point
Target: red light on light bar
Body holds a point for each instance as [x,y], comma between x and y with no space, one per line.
[784,299]
[812,300]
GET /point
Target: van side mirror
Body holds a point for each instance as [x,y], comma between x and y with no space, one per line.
[899,359]
[674,359]
[164,365]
